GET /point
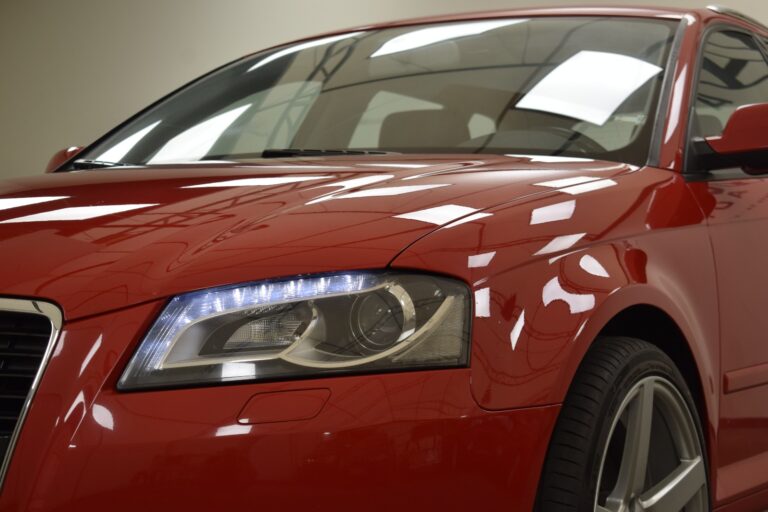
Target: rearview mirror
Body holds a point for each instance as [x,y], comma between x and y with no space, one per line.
[62,156]
[744,142]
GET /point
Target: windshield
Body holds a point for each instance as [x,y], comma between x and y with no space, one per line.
[577,86]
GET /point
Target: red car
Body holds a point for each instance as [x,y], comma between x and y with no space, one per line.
[506,261]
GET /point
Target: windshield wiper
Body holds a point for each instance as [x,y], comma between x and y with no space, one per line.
[291,152]
[96,164]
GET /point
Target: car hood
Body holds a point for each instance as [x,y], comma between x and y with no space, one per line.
[98,240]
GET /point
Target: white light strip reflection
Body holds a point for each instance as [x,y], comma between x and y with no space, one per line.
[483,303]
[480,260]
[117,152]
[7,203]
[194,143]
[566,182]
[517,330]
[588,187]
[589,86]
[350,184]
[233,430]
[560,243]
[388,191]
[546,159]
[396,166]
[577,302]
[591,266]
[553,212]
[257,182]
[439,215]
[359,182]
[468,218]
[78,213]
[432,35]
[301,46]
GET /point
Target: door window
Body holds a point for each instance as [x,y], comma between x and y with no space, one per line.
[733,73]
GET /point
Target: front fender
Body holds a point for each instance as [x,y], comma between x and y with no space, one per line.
[537,313]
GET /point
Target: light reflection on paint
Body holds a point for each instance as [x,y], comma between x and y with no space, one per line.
[566,182]
[233,430]
[560,243]
[468,218]
[396,166]
[577,302]
[677,99]
[78,213]
[258,182]
[591,266]
[588,187]
[548,159]
[89,355]
[439,215]
[483,303]
[386,191]
[350,184]
[480,260]
[553,212]
[103,416]
[514,335]
[7,203]
[79,400]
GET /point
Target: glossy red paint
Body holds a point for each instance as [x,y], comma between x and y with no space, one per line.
[744,131]
[200,227]
[88,447]
[61,157]
[545,284]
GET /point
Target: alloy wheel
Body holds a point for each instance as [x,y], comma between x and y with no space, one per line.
[653,460]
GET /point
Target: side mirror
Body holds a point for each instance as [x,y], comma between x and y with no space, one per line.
[62,156]
[744,142]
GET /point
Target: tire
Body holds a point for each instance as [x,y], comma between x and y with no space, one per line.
[628,437]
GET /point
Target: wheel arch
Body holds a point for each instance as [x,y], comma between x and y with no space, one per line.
[646,313]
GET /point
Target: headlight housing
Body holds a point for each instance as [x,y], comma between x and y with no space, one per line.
[305,327]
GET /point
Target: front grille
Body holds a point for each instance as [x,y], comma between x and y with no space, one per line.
[24,338]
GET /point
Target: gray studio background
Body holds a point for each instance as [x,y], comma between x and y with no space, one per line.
[71,69]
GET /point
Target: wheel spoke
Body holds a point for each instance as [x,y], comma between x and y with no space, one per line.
[677,489]
[634,460]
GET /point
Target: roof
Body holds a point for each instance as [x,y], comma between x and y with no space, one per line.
[703,13]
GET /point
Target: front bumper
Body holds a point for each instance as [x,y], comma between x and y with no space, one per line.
[415,441]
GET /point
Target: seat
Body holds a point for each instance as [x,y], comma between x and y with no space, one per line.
[423,129]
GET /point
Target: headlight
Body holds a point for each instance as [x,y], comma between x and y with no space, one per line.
[305,327]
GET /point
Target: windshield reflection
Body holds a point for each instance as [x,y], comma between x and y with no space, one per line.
[556,87]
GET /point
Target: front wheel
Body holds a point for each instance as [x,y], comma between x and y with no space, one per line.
[628,438]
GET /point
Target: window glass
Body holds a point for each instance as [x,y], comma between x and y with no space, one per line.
[734,73]
[559,86]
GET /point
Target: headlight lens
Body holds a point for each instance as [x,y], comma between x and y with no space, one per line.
[362,322]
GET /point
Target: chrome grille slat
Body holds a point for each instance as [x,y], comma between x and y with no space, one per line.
[28,332]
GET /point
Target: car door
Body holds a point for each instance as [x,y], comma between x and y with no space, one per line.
[734,72]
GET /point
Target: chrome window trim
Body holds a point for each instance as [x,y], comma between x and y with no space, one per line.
[733,13]
[54,315]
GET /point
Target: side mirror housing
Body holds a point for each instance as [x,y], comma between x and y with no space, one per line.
[62,156]
[744,142]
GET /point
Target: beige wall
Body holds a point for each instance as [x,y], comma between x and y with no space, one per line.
[71,69]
